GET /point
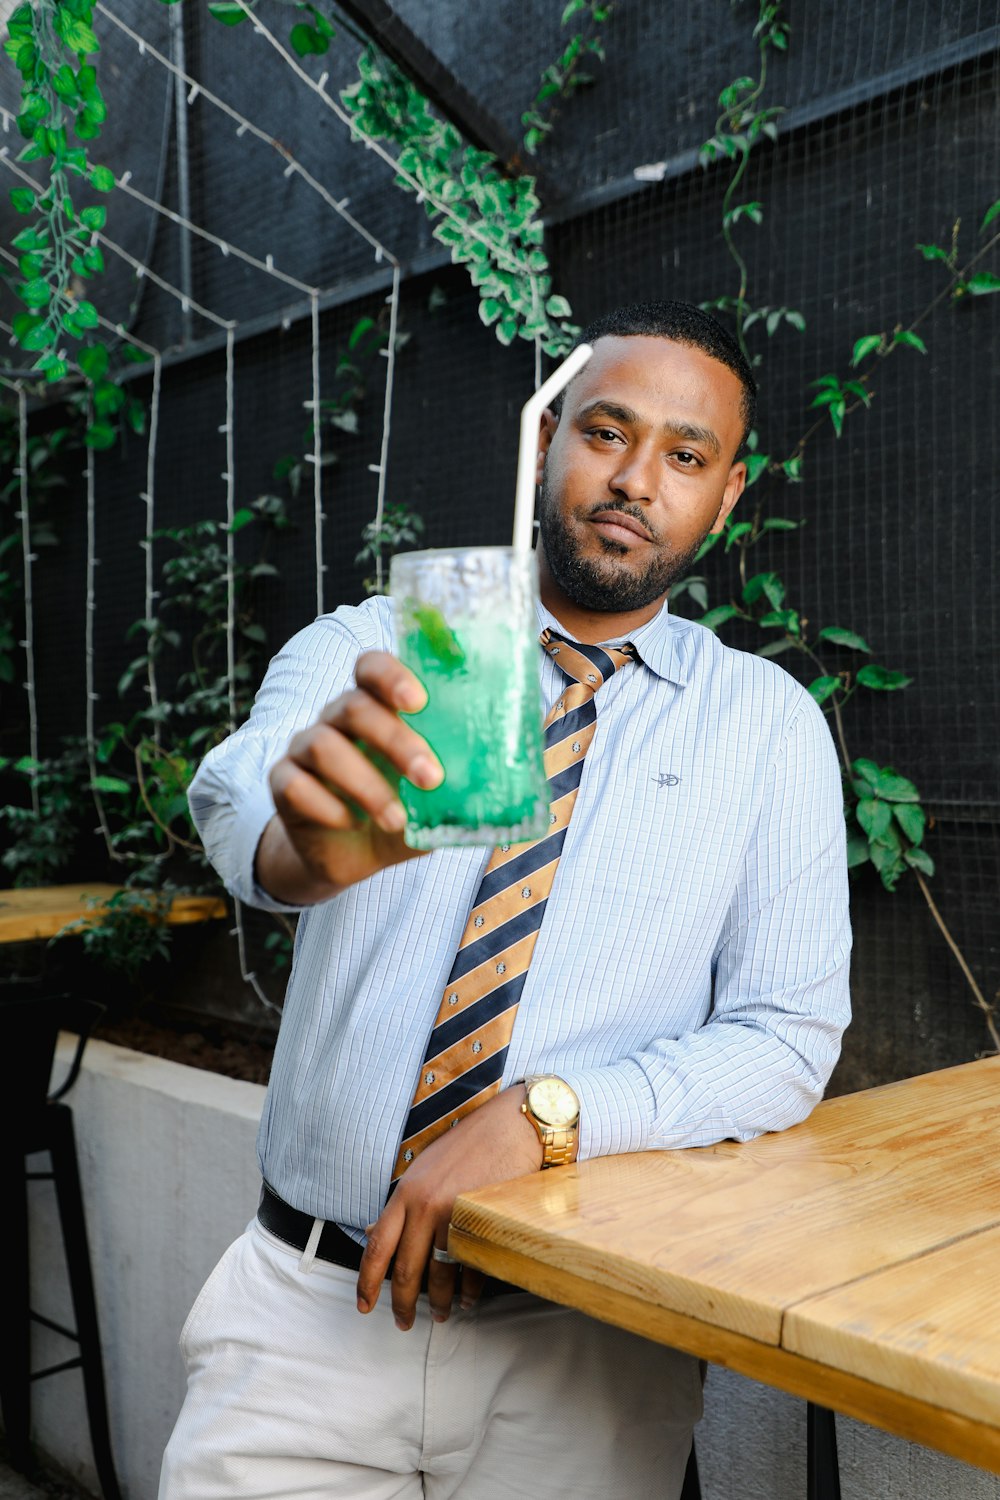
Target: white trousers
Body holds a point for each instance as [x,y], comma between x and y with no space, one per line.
[294,1395]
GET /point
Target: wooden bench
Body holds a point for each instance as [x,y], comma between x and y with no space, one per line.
[36,912]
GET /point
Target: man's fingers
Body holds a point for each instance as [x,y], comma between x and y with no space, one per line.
[343,781]
[442,1279]
[357,715]
[383,1237]
[412,1255]
[386,678]
[472,1287]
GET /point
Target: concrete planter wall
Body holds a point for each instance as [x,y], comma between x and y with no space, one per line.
[170,1179]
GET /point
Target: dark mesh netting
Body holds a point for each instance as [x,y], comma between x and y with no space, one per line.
[887,139]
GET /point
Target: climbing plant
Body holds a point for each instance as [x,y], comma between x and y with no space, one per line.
[886,822]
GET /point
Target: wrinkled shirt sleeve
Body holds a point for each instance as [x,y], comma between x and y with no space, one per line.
[230,798]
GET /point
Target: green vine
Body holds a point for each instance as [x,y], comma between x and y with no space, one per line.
[562,78]
[886,824]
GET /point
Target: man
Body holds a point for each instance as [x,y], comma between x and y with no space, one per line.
[688,983]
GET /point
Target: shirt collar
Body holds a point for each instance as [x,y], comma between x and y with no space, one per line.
[657,642]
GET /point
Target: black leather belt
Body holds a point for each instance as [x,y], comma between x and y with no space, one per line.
[294,1227]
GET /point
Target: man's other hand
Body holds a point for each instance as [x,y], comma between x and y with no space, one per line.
[494,1143]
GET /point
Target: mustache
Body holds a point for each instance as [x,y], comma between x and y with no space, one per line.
[634,512]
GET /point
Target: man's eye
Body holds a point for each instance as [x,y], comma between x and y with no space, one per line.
[606,434]
[688,459]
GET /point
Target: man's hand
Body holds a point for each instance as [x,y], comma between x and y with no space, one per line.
[339,818]
[492,1144]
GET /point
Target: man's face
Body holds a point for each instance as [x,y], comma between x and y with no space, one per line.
[638,469]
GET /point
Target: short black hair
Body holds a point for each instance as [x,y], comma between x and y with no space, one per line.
[684,323]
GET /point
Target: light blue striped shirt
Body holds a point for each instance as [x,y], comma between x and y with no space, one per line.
[690,979]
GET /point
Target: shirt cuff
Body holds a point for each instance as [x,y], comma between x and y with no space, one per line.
[616,1109]
[255,812]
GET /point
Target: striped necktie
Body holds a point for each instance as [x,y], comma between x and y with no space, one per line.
[465,1056]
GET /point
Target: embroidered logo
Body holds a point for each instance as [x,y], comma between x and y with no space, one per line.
[666,778]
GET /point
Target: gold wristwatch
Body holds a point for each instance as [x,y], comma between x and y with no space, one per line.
[554,1110]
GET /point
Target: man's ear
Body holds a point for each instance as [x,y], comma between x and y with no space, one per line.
[546,431]
[735,485]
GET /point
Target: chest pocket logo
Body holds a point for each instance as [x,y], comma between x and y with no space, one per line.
[666,778]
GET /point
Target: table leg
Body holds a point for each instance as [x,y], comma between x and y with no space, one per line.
[821,1454]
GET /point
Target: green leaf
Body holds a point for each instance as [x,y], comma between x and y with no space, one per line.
[489,310]
[934,252]
[558,307]
[35,293]
[882,679]
[821,688]
[241,518]
[886,783]
[875,817]
[756,465]
[77,35]
[718,616]
[912,820]
[841,637]
[775,648]
[94,217]
[102,178]
[23,199]
[737,530]
[85,314]
[865,345]
[919,859]
[888,864]
[780,523]
[110,784]
[93,361]
[227,11]
[764,585]
[306,40]
[991,214]
[983,283]
[100,435]
[912,340]
[858,851]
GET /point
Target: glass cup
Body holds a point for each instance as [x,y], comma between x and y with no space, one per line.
[465,624]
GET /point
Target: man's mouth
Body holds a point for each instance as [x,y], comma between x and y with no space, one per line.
[618,526]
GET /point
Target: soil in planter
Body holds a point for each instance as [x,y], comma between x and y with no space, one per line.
[215,1047]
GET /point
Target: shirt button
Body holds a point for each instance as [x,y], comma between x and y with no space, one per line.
[429,1079]
[501,968]
[477,1046]
[526,892]
[452,999]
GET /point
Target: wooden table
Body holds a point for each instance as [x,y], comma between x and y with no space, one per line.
[31,913]
[853,1260]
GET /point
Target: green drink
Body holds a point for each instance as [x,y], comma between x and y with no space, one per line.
[466,626]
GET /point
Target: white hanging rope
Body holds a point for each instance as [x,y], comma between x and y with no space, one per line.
[245,127]
[28,557]
[390,354]
[91,609]
[317,452]
[148,498]
[226,246]
[230,477]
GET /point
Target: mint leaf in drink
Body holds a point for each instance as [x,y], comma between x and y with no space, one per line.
[439,636]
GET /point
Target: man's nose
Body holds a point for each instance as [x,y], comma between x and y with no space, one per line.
[634,477]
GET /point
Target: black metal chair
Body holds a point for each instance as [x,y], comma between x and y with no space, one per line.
[33,1120]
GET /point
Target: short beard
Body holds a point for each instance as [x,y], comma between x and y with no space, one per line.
[594,582]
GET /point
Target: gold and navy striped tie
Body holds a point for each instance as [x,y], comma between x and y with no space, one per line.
[465,1056]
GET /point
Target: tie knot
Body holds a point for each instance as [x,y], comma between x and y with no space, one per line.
[588,665]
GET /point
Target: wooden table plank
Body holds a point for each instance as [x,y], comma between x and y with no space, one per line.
[734,1235]
[31,913]
[929,1328]
[951,1432]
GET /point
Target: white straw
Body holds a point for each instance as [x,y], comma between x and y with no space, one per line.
[527,453]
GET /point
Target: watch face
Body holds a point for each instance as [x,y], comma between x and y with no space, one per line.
[554,1102]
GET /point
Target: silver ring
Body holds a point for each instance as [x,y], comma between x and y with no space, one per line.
[442,1257]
